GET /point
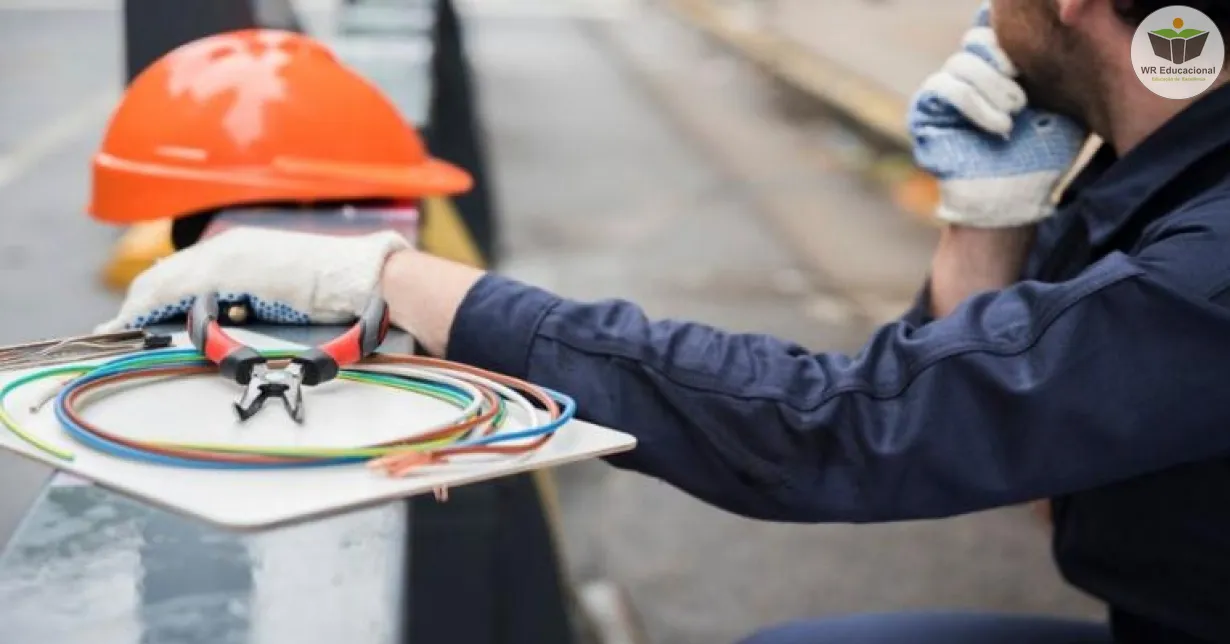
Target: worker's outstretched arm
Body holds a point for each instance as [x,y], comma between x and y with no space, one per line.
[1022,393]
[1031,391]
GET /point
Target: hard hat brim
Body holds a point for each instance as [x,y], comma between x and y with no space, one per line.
[430,178]
[123,193]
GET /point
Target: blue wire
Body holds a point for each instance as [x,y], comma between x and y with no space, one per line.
[123,451]
[113,448]
[566,415]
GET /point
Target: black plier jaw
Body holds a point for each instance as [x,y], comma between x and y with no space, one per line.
[266,383]
[317,365]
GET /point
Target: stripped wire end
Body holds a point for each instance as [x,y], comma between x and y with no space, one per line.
[399,465]
[43,401]
[402,463]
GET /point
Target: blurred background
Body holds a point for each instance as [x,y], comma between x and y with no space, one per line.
[737,162]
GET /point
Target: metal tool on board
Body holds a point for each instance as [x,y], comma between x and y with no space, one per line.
[80,348]
[246,366]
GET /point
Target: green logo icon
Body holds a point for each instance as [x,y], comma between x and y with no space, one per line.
[1178,47]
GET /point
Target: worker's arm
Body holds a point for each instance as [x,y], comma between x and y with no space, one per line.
[1027,392]
[968,261]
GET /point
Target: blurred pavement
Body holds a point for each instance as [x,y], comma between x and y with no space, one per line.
[861,59]
[632,160]
[897,43]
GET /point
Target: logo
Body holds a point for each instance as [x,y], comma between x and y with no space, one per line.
[1178,52]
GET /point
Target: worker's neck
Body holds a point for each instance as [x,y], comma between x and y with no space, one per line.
[1134,113]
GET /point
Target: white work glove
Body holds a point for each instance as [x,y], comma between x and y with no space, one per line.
[997,160]
[284,277]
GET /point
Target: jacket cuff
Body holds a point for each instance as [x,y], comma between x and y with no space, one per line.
[497,324]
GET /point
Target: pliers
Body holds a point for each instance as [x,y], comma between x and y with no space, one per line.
[317,365]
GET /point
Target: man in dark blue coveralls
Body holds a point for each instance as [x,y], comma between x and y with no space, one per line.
[1081,355]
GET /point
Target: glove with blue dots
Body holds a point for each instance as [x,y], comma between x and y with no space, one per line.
[283,277]
[997,159]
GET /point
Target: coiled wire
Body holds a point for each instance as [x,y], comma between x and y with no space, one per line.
[481,398]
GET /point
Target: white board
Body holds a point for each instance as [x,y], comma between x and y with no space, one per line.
[336,413]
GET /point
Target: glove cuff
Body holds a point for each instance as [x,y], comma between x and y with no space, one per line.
[997,202]
[353,275]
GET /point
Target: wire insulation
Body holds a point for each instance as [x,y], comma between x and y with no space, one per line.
[482,401]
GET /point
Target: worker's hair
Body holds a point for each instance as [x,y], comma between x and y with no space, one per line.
[1135,11]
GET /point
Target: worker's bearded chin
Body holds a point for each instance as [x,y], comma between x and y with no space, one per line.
[1058,70]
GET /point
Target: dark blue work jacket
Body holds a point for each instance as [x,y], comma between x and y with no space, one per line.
[1102,379]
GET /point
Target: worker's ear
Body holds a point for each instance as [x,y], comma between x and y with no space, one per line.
[1071,12]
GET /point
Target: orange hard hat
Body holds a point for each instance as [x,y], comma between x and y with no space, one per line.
[254,117]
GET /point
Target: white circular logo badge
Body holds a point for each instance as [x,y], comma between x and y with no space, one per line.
[1178,52]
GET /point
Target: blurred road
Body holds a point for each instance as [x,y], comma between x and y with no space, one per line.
[897,43]
[631,161]
[60,71]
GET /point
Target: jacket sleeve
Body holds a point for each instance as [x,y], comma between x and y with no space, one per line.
[1030,392]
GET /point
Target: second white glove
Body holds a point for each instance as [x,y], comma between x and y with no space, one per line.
[284,277]
[998,160]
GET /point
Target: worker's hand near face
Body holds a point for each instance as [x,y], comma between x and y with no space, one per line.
[998,160]
[284,277]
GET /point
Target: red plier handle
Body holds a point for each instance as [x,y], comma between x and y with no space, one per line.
[236,360]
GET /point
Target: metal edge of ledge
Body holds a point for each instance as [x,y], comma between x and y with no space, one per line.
[876,109]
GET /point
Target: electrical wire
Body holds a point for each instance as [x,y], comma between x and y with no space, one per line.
[78,349]
[481,400]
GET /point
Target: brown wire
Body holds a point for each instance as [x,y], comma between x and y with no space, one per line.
[395,464]
[400,464]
